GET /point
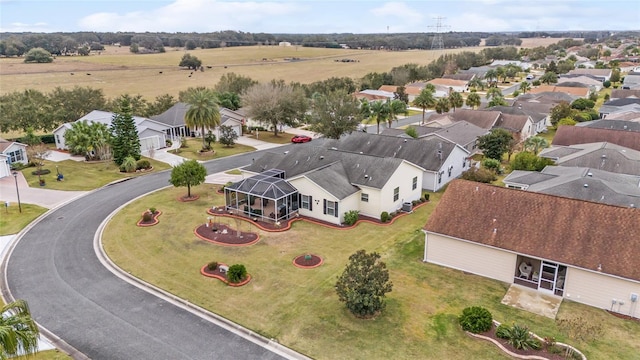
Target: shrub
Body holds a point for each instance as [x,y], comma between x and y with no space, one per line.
[168,142]
[476,319]
[384,217]
[128,164]
[225,185]
[521,339]
[41,172]
[606,84]
[152,210]
[503,331]
[143,164]
[492,164]
[480,175]
[236,273]
[212,266]
[146,217]
[426,196]
[351,216]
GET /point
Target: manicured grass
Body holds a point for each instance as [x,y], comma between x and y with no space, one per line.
[12,220]
[267,136]
[299,307]
[551,132]
[195,144]
[79,175]
[233,172]
[46,355]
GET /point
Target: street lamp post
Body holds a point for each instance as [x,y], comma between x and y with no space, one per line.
[15,177]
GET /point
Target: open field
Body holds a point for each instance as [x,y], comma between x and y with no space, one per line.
[118,71]
[299,307]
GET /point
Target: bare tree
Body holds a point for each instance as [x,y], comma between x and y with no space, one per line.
[275,104]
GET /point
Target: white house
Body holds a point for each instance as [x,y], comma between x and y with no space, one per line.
[573,249]
[11,152]
[174,118]
[152,134]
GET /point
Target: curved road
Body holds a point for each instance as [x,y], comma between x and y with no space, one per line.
[55,268]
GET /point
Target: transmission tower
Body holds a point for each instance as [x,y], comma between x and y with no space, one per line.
[438,43]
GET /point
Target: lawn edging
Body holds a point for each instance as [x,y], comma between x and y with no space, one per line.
[155,215]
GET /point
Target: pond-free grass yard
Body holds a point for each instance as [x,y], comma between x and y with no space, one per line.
[195,144]
[83,176]
[12,220]
[299,307]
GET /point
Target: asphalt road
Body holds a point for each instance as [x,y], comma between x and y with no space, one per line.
[55,268]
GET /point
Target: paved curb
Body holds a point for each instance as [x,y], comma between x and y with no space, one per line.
[270,344]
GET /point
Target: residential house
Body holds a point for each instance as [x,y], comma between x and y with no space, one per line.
[465,76]
[624,93]
[630,115]
[600,155]
[152,134]
[575,92]
[460,132]
[590,81]
[175,115]
[631,81]
[415,88]
[523,119]
[579,183]
[11,152]
[613,124]
[442,160]
[520,124]
[575,249]
[445,86]
[521,64]
[602,74]
[324,183]
[625,104]
[375,95]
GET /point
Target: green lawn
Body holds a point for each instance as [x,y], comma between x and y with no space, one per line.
[195,144]
[299,307]
[267,136]
[12,220]
[46,355]
[79,175]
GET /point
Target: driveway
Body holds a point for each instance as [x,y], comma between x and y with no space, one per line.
[82,305]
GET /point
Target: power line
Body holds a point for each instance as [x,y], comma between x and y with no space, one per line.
[437,43]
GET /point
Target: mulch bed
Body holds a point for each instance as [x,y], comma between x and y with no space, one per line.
[307,261]
[222,276]
[542,352]
[187,198]
[224,235]
[154,219]
[623,316]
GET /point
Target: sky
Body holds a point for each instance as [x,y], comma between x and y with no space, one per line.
[320,17]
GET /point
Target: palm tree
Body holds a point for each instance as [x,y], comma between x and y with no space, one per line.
[380,110]
[491,76]
[473,100]
[525,86]
[18,330]
[396,107]
[501,73]
[425,100]
[203,111]
[535,143]
[442,106]
[455,100]
[476,83]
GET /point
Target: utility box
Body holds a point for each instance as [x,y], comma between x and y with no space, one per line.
[407,206]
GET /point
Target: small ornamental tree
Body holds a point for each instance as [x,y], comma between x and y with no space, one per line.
[124,140]
[236,273]
[363,284]
[189,173]
[228,136]
[189,61]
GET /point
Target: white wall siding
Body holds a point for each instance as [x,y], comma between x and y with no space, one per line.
[402,178]
[454,162]
[307,187]
[470,257]
[599,290]
[372,207]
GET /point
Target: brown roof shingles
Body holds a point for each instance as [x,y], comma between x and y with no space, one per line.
[568,231]
[572,135]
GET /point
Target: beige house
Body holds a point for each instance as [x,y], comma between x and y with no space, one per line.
[11,152]
[578,250]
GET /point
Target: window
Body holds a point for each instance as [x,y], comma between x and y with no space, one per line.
[450,170]
[305,202]
[440,176]
[396,194]
[331,208]
[16,156]
[414,184]
[364,197]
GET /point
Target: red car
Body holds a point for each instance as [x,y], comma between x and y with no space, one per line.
[300,139]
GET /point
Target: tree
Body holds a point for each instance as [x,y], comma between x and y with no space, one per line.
[125,141]
[18,331]
[37,154]
[161,104]
[425,100]
[525,86]
[535,143]
[228,136]
[494,144]
[190,45]
[442,105]
[190,61]
[582,104]
[491,76]
[71,104]
[21,110]
[203,112]
[38,55]
[234,83]
[455,100]
[380,112]
[335,114]
[229,100]
[401,94]
[482,175]
[411,131]
[560,111]
[363,284]
[396,107]
[615,76]
[189,173]
[276,104]
[549,77]
[473,100]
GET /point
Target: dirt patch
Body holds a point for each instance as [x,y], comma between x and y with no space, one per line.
[189,198]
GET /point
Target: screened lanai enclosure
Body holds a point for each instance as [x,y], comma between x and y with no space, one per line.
[266,196]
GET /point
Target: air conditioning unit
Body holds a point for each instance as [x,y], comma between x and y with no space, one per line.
[407,206]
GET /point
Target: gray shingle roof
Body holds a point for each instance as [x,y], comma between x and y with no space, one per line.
[602,156]
[612,124]
[174,116]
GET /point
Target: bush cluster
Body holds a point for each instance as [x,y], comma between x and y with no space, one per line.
[128,164]
[384,217]
[476,319]
[236,273]
[351,216]
[212,266]
[143,164]
[147,216]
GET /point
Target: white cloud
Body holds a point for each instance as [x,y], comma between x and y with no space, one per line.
[192,15]
[25,27]
[398,10]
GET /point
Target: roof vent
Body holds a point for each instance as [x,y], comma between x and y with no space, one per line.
[632,206]
[321,157]
[296,162]
[361,153]
[405,140]
[286,152]
[334,148]
[366,176]
[586,185]
[604,156]
[589,174]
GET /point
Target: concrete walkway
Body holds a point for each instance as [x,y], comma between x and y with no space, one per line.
[532,301]
[29,195]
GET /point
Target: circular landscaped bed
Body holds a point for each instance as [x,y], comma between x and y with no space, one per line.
[308,261]
[225,235]
[220,273]
[149,218]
